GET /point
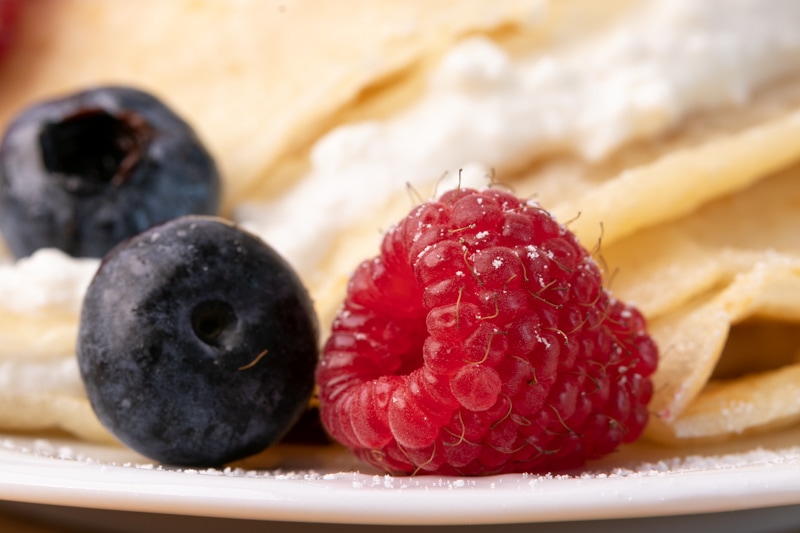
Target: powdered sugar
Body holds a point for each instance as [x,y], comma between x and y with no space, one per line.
[533,251]
[323,467]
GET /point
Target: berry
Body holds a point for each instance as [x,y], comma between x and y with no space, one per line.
[9,12]
[83,172]
[481,341]
[197,343]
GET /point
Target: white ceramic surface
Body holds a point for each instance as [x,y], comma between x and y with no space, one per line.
[325,485]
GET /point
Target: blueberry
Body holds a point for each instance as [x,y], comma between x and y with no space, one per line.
[83,172]
[197,343]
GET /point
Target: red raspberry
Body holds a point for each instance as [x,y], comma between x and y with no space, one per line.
[8,22]
[481,341]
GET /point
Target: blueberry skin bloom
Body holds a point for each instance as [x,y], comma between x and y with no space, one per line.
[197,343]
[85,171]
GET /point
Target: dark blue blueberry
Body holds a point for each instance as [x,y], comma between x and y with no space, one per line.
[197,343]
[83,172]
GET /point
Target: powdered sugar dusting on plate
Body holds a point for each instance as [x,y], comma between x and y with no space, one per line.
[326,466]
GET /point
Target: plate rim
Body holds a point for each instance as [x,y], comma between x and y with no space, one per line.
[372,499]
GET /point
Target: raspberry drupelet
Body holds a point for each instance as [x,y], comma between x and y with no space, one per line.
[481,341]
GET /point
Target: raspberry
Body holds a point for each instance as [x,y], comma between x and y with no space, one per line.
[9,13]
[481,341]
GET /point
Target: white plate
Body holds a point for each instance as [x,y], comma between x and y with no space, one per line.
[325,485]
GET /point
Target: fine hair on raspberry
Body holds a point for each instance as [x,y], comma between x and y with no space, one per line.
[481,341]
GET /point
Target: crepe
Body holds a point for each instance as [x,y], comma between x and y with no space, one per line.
[258,79]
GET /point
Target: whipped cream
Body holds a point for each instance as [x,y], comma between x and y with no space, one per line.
[636,78]
[47,280]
